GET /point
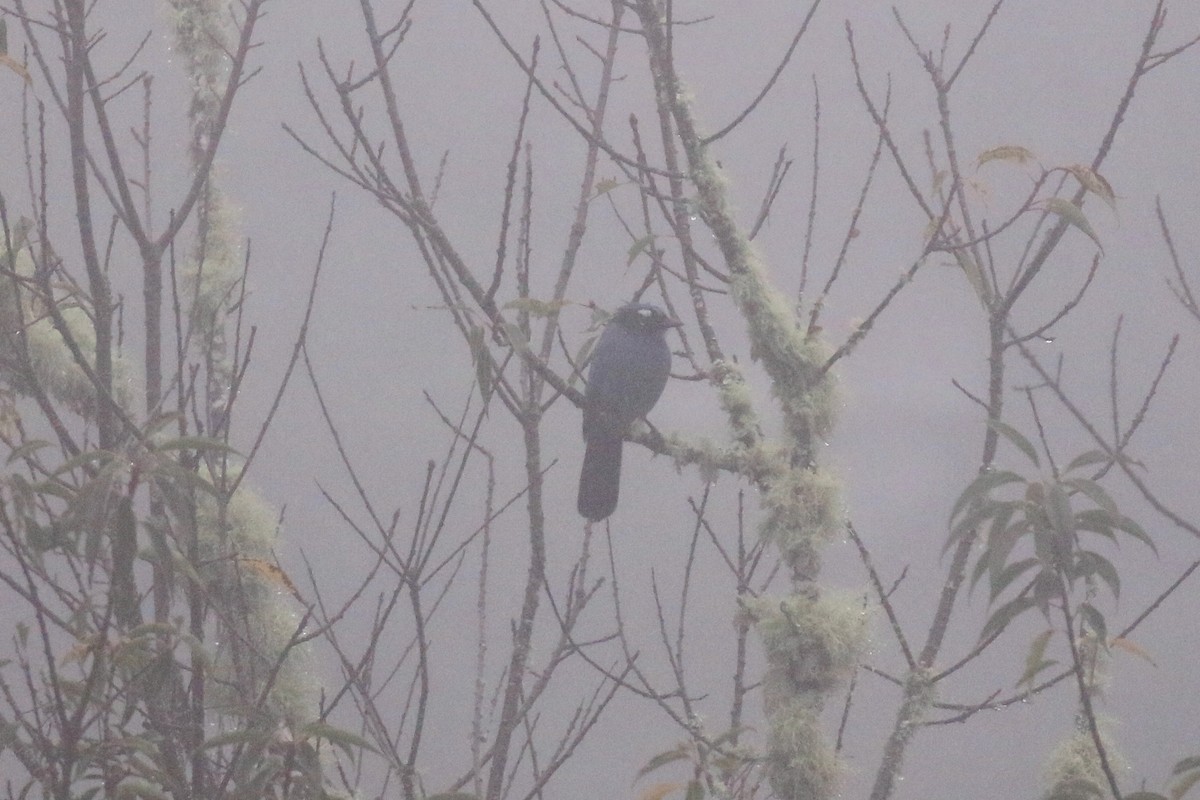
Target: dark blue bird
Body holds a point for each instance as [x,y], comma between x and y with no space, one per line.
[629,370]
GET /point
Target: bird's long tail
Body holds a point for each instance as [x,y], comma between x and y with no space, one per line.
[600,478]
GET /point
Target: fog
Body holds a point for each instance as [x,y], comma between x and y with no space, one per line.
[387,358]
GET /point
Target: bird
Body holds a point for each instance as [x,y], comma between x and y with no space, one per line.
[628,372]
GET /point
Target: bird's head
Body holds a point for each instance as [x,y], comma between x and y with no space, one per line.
[643,318]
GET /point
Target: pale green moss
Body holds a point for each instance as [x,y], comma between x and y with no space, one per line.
[1074,772]
[237,554]
[211,286]
[736,401]
[51,362]
[808,396]
[802,509]
[800,763]
[237,539]
[811,644]
[919,695]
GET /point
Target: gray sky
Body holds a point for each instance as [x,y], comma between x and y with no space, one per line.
[1047,77]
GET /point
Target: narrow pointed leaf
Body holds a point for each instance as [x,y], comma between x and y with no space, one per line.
[981,486]
[1087,459]
[1186,765]
[1131,647]
[974,275]
[1015,436]
[1133,529]
[1008,152]
[1058,509]
[1035,658]
[1184,784]
[1095,183]
[1073,215]
[516,338]
[1092,563]
[1047,587]
[638,247]
[348,741]
[1095,621]
[1005,614]
[1094,491]
[537,308]
[662,759]
[26,450]
[1004,578]
[196,443]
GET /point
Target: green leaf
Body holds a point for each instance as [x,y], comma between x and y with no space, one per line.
[233,737]
[1095,621]
[481,357]
[1088,458]
[516,338]
[26,450]
[1096,520]
[662,759]
[983,484]
[695,791]
[1089,563]
[1186,764]
[637,247]
[1095,492]
[981,566]
[1095,183]
[541,309]
[1035,659]
[1133,529]
[1014,436]
[1008,152]
[979,514]
[196,443]
[1047,586]
[605,185]
[974,275]
[1001,539]
[1002,579]
[1000,547]
[1184,784]
[1058,509]
[172,470]
[349,742]
[1005,614]
[1073,215]
[160,422]
[82,459]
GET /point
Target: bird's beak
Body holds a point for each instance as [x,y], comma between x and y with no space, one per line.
[671,322]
